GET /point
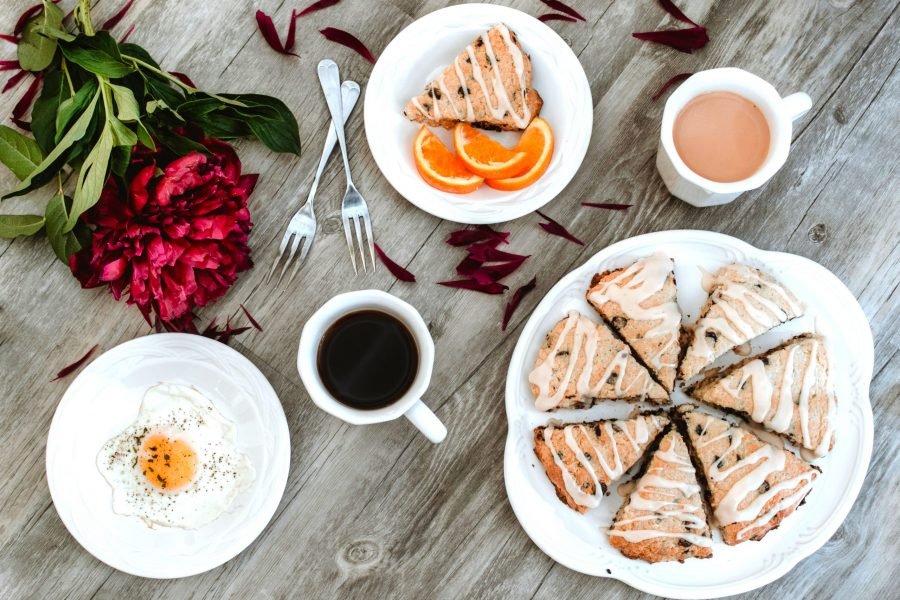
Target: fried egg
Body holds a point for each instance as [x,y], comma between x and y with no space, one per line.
[177,464]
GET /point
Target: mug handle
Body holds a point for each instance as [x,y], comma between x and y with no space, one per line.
[797,105]
[427,422]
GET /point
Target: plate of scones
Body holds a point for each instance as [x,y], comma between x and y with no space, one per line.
[689,414]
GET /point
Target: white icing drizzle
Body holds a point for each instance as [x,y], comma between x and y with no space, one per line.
[644,278]
[504,105]
[572,487]
[681,500]
[766,460]
[585,339]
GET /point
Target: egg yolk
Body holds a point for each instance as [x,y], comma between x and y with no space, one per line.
[168,464]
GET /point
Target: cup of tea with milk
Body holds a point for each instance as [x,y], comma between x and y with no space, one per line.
[725,132]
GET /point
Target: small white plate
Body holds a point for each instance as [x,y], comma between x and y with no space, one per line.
[104,399]
[419,53]
[579,541]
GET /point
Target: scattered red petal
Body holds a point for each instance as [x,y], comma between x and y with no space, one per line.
[493,288]
[9,38]
[607,205]
[127,35]
[14,81]
[67,370]
[563,8]
[183,78]
[250,318]
[9,65]
[26,16]
[483,233]
[683,40]
[513,303]
[267,28]
[344,38]
[292,32]
[315,6]
[488,252]
[114,20]
[229,332]
[673,10]
[557,17]
[210,330]
[25,102]
[673,81]
[554,228]
[395,269]
[493,273]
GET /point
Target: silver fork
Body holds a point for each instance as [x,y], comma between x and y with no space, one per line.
[353,208]
[303,224]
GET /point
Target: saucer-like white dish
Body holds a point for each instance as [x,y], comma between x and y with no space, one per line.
[579,541]
[104,399]
[419,53]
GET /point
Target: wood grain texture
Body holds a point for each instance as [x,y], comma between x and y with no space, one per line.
[378,511]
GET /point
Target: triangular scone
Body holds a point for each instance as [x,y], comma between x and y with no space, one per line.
[639,303]
[787,389]
[664,518]
[582,459]
[582,362]
[744,303]
[488,85]
[752,485]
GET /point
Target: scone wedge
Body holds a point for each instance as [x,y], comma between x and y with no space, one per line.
[752,486]
[582,362]
[582,459]
[664,518]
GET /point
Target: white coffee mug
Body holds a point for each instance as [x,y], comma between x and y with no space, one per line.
[410,405]
[779,112]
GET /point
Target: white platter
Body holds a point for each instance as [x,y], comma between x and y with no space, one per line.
[419,53]
[579,541]
[104,399]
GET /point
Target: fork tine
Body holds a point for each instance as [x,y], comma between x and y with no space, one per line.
[307,242]
[368,223]
[349,240]
[290,256]
[359,240]
[284,242]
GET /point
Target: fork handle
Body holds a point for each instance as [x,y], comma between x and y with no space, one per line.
[349,96]
[330,78]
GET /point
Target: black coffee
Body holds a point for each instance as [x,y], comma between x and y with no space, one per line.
[367,359]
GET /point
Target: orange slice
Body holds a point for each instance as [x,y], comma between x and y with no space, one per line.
[440,168]
[485,156]
[537,143]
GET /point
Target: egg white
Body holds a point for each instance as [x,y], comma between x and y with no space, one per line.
[222,472]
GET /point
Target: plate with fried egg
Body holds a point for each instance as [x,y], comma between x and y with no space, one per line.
[168,455]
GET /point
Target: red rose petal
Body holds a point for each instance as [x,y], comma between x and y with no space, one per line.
[250,318]
[127,34]
[183,78]
[315,6]
[465,237]
[68,369]
[492,273]
[344,38]
[516,299]
[674,80]
[554,228]
[489,253]
[395,269]
[14,81]
[25,102]
[557,17]
[673,10]
[9,38]
[607,205]
[114,20]
[270,34]
[29,12]
[9,65]
[493,288]
[683,40]
[563,8]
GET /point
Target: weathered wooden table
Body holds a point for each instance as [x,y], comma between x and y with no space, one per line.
[378,511]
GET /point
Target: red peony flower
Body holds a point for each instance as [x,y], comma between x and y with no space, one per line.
[176,239]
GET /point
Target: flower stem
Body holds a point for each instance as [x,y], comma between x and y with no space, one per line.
[82,15]
[172,78]
[65,71]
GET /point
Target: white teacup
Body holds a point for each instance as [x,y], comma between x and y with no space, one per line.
[779,112]
[410,405]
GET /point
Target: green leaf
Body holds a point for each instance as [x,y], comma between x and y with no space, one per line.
[120,160]
[70,107]
[98,54]
[64,243]
[12,226]
[134,51]
[43,115]
[53,32]
[35,51]
[92,175]
[144,136]
[19,153]
[75,133]
[279,135]
[176,143]
[121,134]
[127,108]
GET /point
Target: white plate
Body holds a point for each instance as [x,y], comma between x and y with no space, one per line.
[419,53]
[104,399]
[578,541]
